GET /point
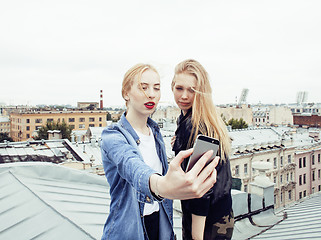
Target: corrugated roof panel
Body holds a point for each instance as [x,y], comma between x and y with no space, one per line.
[3,151]
[303,221]
[39,206]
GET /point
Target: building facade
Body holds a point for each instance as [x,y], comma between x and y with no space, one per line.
[293,153]
[24,125]
[5,125]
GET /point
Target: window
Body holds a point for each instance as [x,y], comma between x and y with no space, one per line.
[304,193]
[304,162]
[245,168]
[237,170]
[50,120]
[319,188]
[281,161]
[287,177]
[281,178]
[28,128]
[100,125]
[245,187]
[28,121]
[91,125]
[81,119]
[71,119]
[268,160]
[275,162]
[319,158]
[28,135]
[289,158]
[300,162]
[72,126]
[100,119]
[281,197]
[313,159]
[313,190]
[91,119]
[300,180]
[290,194]
[274,179]
[274,199]
[291,176]
[38,120]
[81,126]
[319,173]
[304,178]
[313,175]
[38,127]
[300,195]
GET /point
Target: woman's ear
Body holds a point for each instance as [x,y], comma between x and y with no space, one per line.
[126,97]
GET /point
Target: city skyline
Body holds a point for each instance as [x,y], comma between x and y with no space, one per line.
[68,51]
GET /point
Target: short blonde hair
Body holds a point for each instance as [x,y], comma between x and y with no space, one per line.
[131,74]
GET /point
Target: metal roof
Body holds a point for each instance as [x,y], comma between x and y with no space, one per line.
[303,221]
[48,201]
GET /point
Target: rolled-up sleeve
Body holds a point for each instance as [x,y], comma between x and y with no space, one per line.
[124,158]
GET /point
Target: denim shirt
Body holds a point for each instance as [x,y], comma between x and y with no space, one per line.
[128,177]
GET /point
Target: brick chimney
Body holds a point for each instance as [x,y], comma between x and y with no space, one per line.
[101,99]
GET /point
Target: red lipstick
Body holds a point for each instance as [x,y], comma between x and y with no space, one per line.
[150,105]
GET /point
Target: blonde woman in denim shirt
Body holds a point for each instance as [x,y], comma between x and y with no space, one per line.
[135,163]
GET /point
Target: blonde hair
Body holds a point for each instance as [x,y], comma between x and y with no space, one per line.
[204,115]
[131,74]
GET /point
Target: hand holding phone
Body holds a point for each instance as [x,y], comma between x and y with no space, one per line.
[202,145]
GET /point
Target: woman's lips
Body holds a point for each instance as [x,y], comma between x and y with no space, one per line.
[184,104]
[150,105]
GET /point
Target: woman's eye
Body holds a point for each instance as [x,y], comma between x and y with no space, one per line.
[179,88]
[191,90]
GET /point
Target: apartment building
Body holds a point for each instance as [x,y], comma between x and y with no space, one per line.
[272,115]
[5,125]
[170,113]
[280,148]
[308,163]
[24,124]
[243,111]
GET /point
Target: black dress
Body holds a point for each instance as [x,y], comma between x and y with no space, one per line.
[216,204]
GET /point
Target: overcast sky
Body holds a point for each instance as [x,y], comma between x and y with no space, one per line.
[65,51]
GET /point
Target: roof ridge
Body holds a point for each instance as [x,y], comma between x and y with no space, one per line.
[49,205]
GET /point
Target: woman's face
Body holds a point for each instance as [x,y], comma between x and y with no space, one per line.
[144,95]
[183,91]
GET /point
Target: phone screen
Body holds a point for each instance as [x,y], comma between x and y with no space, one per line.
[202,145]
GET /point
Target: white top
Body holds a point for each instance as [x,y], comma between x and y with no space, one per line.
[147,148]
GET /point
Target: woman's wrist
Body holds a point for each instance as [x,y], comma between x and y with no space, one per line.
[154,185]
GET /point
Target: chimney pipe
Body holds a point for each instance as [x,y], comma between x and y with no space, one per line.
[101,99]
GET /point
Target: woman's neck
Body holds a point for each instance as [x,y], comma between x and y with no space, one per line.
[138,122]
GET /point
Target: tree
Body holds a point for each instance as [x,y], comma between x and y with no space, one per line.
[65,130]
[5,136]
[237,123]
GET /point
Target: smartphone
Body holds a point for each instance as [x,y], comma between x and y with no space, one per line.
[202,145]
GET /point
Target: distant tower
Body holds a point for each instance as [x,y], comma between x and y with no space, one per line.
[243,96]
[301,97]
[101,99]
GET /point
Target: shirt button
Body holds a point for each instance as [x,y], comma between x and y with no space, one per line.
[138,141]
[148,199]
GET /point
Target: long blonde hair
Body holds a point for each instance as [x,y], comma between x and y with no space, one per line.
[131,74]
[204,115]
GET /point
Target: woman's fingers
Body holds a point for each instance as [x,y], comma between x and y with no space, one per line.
[199,165]
[176,162]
